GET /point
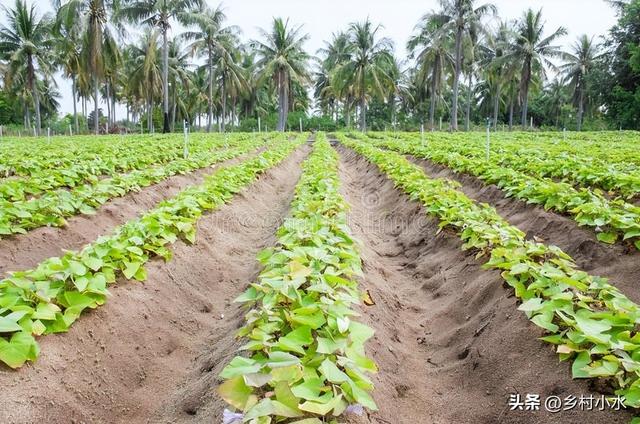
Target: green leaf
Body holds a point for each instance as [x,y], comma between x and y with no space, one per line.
[93,263]
[531,305]
[235,392]
[296,340]
[240,366]
[77,268]
[310,389]
[285,396]
[583,359]
[20,348]
[545,321]
[607,237]
[321,408]
[281,359]
[332,373]
[8,326]
[131,268]
[46,311]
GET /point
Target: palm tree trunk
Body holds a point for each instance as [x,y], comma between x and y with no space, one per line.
[347,112]
[363,113]
[281,101]
[224,103]
[511,107]
[27,117]
[496,107]
[456,79]
[526,75]
[210,98]
[96,121]
[233,111]
[34,92]
[113,107]
[108,101]
[468,111]
[75,111]
[580,109]
[432,103]
[149,116]
[165,81]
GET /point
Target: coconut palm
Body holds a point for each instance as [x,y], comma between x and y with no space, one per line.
[459,17]
[533,50]
[281,57]
[67,32]
[497,72]
[145,78]
[368,71]
[24,43]
[159,14]
[579,62]
[98,42]
[334,54]
[431,48]
[218,43]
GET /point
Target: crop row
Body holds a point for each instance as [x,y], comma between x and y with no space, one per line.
[613,220]
[618,148]
[19,158]
[50,298]
[589,320]
[305,355]
[547,161]
[91,169]
[51,208]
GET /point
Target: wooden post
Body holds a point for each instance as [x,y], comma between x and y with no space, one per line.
[259,125]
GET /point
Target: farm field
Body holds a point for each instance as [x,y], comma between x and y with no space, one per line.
[320,278]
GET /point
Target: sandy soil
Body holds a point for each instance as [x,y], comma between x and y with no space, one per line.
[450,344]
[25,251]
[621,264]
[129,358]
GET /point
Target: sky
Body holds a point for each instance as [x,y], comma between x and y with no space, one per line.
[398,17]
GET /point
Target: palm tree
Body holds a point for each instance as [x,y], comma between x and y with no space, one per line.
[578,64]
[93,17]
[368,71]
[281,56]
[145,79]
[533,50]
[335,53]
[160,14]
[497,72]
[24,43]
[460,17]
[218,43]
[431,48]
[67,41]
